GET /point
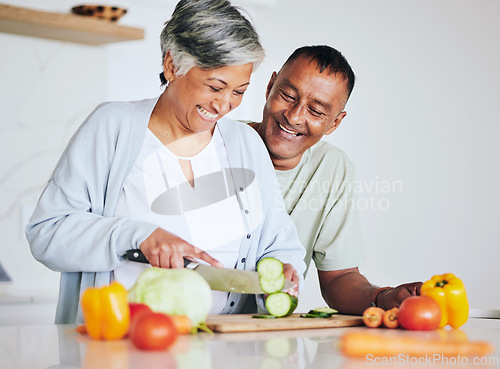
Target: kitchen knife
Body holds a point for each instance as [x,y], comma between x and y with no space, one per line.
[219,279]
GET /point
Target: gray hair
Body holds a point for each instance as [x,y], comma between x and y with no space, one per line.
[209,34]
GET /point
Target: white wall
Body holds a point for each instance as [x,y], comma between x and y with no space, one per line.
[420,128]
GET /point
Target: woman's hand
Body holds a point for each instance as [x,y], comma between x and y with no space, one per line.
[291,274]
[166,250]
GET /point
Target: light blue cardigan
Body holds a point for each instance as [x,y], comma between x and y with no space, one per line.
[73,229]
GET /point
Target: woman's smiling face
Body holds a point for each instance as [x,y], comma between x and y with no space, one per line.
[201,97]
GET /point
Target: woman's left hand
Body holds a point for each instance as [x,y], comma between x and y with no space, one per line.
[292,275]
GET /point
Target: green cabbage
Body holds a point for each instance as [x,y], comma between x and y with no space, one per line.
[173,291]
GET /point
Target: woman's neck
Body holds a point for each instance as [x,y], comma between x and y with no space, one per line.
[173,135]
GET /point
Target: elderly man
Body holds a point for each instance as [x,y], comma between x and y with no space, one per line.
[305,101]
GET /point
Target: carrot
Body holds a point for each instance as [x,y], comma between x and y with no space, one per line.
[390,318]
[373,316]
[81,329]
[182,324]
[361,344]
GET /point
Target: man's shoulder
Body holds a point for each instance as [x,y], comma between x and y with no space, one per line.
[325,151]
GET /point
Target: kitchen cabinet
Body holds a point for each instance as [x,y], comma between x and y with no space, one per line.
[59,346]
[64,27]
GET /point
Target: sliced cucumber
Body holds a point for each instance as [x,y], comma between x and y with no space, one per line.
[272,285]
[316,315]
[322,312]
[270,268]
[281,304]
[325,309]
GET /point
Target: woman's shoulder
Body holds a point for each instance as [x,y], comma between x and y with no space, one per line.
[116,109]
[113,115]
[240,128]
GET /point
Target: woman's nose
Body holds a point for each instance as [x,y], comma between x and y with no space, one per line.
[223,104]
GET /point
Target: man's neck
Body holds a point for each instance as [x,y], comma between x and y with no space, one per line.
[279,164]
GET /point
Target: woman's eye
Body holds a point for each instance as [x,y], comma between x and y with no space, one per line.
[239,92]
[215,89]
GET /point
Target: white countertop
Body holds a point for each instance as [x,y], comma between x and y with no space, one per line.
[51,347]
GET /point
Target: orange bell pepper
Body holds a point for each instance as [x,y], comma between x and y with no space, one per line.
[449,292]
[106,311]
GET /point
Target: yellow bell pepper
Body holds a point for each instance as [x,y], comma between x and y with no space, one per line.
[449,292]
[106,311]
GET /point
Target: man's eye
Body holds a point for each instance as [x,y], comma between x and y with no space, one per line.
[315,112]
[287,96]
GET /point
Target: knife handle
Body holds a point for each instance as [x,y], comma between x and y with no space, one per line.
[137,256]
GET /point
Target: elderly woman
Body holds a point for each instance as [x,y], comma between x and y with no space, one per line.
[169,176]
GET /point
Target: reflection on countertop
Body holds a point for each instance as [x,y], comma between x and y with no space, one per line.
[52,346]
[20,307]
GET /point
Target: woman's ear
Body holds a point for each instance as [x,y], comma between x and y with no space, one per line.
[168,67]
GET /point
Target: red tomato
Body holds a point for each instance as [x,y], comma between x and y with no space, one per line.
[136,308]
[152,331]
[419,313]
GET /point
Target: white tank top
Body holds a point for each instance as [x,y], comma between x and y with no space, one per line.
[204,215]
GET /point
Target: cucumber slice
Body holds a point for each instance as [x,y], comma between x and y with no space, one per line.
[322,312]
[315,315]
[325,309]
[270,268]
[272,285]
[281,304]
[264,316]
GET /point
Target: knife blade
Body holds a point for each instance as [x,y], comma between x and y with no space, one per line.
[219,279]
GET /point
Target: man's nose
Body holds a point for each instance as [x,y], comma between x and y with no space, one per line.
[295,114]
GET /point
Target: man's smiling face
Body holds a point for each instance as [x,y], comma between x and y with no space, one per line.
[303,104]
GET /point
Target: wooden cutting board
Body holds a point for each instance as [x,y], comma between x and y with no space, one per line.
[245,323]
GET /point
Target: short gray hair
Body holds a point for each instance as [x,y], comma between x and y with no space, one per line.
[209,34]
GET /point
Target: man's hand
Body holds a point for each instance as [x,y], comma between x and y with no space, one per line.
[292,275]
[393,297]
[166,250]
[349,292]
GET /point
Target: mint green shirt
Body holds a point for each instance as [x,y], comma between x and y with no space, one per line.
[320,198]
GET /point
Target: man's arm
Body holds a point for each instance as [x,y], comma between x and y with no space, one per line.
[349,292]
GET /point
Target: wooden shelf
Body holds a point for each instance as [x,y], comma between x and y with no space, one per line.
[64,27]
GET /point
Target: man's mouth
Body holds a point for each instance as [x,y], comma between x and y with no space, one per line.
[293,133]
[205,113]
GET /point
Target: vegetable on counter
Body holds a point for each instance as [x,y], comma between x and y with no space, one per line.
[449,292]
[420,313]
[381,344]
[391,318]
[272,280]
[373,316]
[174,292]
[183,324]
[281,304]
[320,312]
[271,277]
[137,308]
[106,312]
[152,331]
